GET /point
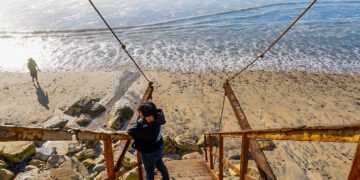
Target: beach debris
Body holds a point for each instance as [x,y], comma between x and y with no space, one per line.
[85,105]
[16,151]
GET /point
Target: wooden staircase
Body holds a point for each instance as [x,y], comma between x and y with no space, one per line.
[192,169]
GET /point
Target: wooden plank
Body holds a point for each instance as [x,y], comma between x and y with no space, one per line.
[355,169]
[221,156]
[109,159]
[135,117]
[259,157]
[244,157]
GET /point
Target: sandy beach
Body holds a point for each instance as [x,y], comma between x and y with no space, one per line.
[192,104]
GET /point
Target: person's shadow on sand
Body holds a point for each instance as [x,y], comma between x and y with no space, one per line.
[42,97]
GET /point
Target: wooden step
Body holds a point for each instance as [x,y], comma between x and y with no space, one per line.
[192,169]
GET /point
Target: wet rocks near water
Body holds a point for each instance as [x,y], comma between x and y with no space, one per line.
[85,105]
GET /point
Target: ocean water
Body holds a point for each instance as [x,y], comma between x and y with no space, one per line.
[183,35]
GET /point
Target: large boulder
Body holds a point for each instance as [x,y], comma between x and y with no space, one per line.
[186,142]
[85,105]
[6,174]
[17,151]
[118,116]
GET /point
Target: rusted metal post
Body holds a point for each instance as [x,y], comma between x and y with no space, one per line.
[355,169]
[205,148]
[244,157]
[221,155]
[211,153]
[138,157]
[109,159]
[259,156]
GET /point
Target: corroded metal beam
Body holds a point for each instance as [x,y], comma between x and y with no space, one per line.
[121,150]
[13,133]
[348,133]
[259,157]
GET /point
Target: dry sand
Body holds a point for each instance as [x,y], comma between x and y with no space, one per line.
[192,103]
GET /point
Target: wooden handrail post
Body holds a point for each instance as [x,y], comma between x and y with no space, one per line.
[221,154]
[109,157]
[205,149]
[244,157]
[355,169]
[140,172]
[211,153]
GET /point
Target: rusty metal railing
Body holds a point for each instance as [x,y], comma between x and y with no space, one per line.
[347,134]
[13,133]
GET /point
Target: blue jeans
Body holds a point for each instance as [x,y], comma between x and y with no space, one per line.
[152,160]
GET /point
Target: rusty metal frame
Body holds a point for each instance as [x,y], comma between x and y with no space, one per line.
[14,133]
[259,157]
[348,134]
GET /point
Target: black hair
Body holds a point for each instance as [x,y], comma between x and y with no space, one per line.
[147,108]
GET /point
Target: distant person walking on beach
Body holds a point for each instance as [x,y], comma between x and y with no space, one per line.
[33,68]
[148,139]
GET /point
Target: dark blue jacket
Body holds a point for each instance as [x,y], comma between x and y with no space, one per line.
[147,136]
